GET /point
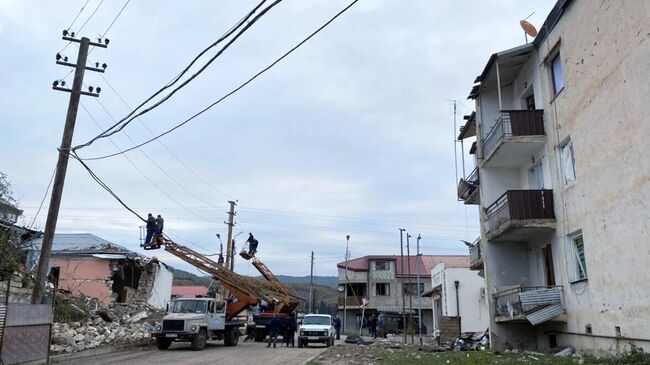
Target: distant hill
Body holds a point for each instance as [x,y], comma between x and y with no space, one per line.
[325,293]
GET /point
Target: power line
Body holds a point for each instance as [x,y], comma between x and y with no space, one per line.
[40,206]
[141,172]
[156,164]
[115,19]
[231,92]
[78,14]
[84,24]
[129,117]
[165,146]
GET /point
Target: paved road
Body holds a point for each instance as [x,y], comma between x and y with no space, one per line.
[214,353]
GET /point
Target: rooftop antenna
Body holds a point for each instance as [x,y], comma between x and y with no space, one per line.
[529,29]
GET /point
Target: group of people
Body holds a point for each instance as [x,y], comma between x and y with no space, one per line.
[154,227]
[285,328]
[375,324]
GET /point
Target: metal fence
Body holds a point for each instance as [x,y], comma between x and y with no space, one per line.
[518,301]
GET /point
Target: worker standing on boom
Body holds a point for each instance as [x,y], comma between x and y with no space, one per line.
[252,244]
[151,228]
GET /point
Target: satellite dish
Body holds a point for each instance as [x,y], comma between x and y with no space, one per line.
[528,28]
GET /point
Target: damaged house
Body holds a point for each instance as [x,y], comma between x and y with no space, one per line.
[83,263]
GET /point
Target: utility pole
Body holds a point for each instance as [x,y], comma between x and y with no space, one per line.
[311,284]
[417,270]
[401,253]
[64,153]
[408,262]
[230,249]
[347,281]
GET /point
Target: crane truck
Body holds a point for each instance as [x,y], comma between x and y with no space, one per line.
[198,319]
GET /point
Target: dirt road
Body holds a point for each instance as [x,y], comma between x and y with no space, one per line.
[214,353]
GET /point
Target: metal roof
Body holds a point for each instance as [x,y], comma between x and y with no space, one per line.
[82,244]
[427,262]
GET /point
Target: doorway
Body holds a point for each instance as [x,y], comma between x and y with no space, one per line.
[549,270]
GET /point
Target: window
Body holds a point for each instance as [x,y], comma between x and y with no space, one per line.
[382,289]
[382,265]
[411,289]
[581,263]
[558,77]
[567,161]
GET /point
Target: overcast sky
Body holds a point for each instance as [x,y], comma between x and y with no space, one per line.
[351,134]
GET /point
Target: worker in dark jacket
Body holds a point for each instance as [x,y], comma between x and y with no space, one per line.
[337,327]
[274,330]
[160,223]
[252,244]
[151,228]
[290,330]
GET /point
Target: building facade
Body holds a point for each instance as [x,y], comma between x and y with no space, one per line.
[561,182]
[458,297]
[379,279]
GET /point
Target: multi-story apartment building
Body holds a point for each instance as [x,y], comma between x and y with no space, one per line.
[379,279]
[561,182]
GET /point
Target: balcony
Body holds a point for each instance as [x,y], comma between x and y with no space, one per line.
[519,215]
[516,136]
[468,188]
[352,301]
[534,305]
[476,256]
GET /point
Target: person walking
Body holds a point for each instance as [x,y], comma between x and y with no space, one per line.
[274,330]
[151,229]
[337,327]
[381,325]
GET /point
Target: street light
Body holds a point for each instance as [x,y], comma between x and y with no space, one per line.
[345,291]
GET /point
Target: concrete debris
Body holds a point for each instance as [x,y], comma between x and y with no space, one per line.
[565,352]
[130,323]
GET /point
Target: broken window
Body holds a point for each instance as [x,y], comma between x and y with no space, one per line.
[382,289]
[581,263]
[412,289]
[382,265]
[567,160]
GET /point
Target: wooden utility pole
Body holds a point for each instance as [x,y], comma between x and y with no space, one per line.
[408,262]
[230,249]
[401,250]
[64,153]
[311,285]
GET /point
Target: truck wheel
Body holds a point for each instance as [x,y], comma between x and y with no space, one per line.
[163,343]
[231,338]
[199,340]
[299,344]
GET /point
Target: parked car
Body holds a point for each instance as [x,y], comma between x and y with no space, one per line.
[316,328]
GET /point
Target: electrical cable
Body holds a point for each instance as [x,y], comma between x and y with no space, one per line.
[145,175]
[84,24]
[78,14]
[156,164]
[234,90]
[40,206]
[129,117]
[115,19]
[181,162]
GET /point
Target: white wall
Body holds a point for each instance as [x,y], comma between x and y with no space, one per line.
[162,287]
[473,306]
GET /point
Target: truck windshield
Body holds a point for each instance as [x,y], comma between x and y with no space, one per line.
[190,306]
[325,321]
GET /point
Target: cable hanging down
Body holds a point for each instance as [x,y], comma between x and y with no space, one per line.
[228,94]
[134,113]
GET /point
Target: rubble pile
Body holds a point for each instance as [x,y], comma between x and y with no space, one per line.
[119,324]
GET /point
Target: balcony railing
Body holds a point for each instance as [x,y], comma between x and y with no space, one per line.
[475,255]
[468,186]
[514,123]
[520,205]
[537,304]
[352,301]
